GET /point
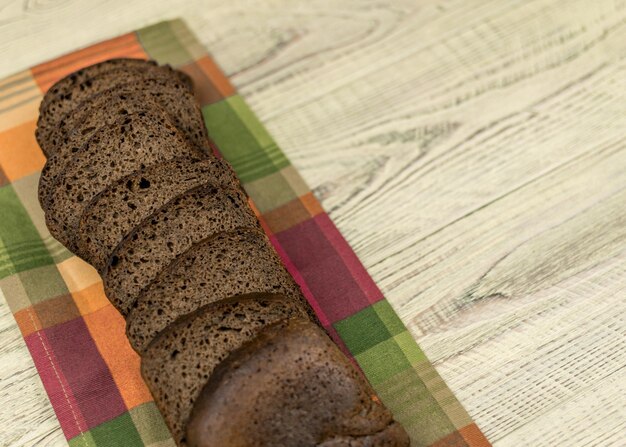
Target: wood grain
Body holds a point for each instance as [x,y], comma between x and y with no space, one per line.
[472,152]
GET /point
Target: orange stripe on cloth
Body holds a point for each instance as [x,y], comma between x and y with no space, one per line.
[107,329]
[292,213]
[90,299]
[311,204]
[264,224]
[77,274]
[19,152]
[28,321]
[58,310]
[473,436]
[216,76]
[19,100]
[61,309]
[48,73]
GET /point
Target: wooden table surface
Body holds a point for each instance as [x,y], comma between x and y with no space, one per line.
[472,152]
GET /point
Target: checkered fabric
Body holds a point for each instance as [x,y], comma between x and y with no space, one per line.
[76,338]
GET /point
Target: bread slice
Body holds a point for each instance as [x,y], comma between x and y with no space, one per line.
[290,387]
[99,152]
[119,209]
[76,128]
[114,152]
[185,220]
[64,85]
[56,107]
[238,262]
[178,364]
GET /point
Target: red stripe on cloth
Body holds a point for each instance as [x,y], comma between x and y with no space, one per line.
[87,375]
[293,270]
[59,391]
[312,254]
[352,262]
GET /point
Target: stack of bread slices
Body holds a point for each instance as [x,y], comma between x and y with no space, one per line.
[229,347]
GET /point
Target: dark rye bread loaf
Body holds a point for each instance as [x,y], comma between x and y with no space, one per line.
[119,209]
[105,144]
[230,348]
[234,263]
[183,221]
[114,152]
[290,387]
[61,105]
[104,108]
[179,362]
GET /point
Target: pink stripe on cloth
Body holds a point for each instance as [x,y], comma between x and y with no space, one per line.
[58,389]
[350,259]
[86,372]
[313,257]
[311,299]
[291,268]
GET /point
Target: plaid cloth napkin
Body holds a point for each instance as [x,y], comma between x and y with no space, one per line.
[76,338]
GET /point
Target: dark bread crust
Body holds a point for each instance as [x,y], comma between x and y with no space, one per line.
[118,210]
[290,373]
[163,236]
[179,362]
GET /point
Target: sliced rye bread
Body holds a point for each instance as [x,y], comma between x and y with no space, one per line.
[119,209]
[64,85]
[238,262]
[170,231]
[104,108]
[290,386]
[179,363]
[115,151]
[79,81]
[56,164]
[55,108]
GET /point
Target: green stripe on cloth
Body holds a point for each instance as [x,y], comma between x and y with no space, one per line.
[26,190]
[187,40]
[22,247]
[413,405]
[120,431]
[242,139]
[383,360]
[162,44]
[150,424]
[43,283]
[140,426]
[277,189]
[398,370]
[372,325]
